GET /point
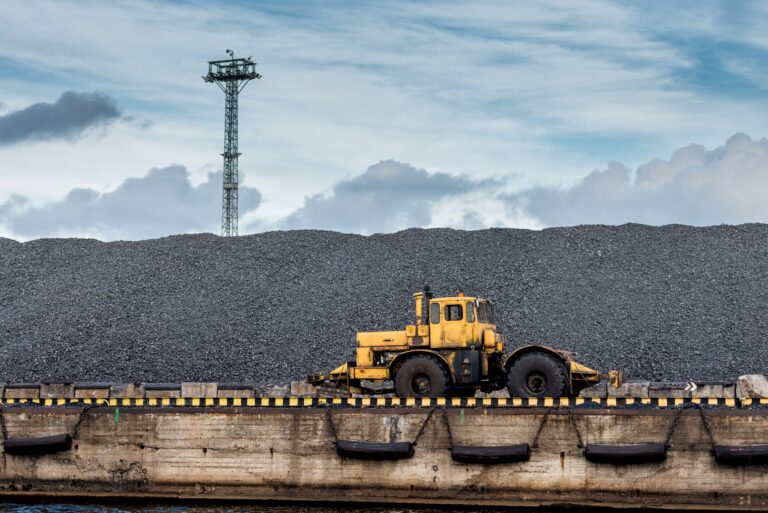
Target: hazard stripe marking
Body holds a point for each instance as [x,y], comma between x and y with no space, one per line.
[394,402]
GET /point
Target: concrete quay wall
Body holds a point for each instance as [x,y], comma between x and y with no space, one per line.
[288,453]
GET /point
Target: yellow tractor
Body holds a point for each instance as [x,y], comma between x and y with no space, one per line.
[456,350]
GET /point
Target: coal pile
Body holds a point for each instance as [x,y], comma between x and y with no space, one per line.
[666,303]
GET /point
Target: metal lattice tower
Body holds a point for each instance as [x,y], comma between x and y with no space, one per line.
[231,75]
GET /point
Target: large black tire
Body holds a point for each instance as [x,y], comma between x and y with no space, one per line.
[537,375]
[421,376]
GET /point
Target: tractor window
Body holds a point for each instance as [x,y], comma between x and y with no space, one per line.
[453,313]
[434,313]
[485,313]
[470,312]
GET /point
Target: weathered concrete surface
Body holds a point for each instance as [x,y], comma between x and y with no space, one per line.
[288,454]
[752,386]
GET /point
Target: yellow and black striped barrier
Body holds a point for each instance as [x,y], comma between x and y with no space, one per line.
[395,402]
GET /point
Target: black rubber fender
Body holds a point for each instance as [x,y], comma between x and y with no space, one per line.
[36,446]
[741,454]
[374,450]
[625,454]
[491,454]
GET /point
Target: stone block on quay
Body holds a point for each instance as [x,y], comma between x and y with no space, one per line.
[235,390]
[302,389]
[620,391]
[599,390]
[716,390]
[162,390]
[670,390]
[330,391]
[57,391]
[199,390]
[638,388]
[752,386]
[92,390]
[276,391]
[126,391]
[22,391]
[495,394]
[630,389]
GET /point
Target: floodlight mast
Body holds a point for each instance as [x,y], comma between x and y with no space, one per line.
[231,75]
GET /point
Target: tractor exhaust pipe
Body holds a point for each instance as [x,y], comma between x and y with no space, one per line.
[428,297]
[417,298]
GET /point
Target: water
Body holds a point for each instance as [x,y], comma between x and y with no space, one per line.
[58,507]
[197,508]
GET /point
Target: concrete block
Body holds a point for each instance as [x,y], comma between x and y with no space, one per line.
[92,390]
[276,391]
[630,389]
[709,390]
[638,388]
[330,391]
[496,394]
[57,391]
[752,386]
[161,390]
[22,391]
[302,389]
[599,390]
[672,390]
[129,391]
[230,390]
[622,391]
[162,394]
[199,390]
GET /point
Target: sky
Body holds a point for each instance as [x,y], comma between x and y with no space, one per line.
[379,116]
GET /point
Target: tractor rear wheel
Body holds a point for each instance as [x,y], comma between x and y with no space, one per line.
[537,375]
[421,376]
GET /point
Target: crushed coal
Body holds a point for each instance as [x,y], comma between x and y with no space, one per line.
[669,303]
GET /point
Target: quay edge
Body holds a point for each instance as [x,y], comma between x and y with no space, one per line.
[288,454]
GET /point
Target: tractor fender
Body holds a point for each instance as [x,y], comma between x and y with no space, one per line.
[509,358]
[399,359]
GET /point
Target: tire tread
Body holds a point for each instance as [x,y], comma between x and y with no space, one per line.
[429,360]
[546,362]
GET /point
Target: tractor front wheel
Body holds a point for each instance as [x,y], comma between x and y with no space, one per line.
[421,376]
[537,375]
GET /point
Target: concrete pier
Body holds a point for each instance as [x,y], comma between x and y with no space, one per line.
[283,449]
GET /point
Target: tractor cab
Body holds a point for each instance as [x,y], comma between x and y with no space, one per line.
[461,322]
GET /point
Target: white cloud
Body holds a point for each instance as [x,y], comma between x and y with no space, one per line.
[695,186]
[161,203]
[726,185]
[387,197]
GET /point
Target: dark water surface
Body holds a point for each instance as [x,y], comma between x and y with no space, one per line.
[44,507]
[41,507]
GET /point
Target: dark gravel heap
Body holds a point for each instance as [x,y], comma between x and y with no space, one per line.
[668,303]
